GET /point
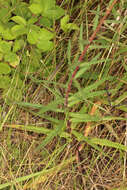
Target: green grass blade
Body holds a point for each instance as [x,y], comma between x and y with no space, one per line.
[98,141]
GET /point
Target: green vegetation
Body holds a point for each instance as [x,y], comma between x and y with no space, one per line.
[45,144]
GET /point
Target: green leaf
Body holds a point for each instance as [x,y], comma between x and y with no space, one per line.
[32,36]
[96,19]
[45,35]
[64,21]
[21,9]
[18,30]
[1,28]
[47,5]
[5,14]
[45,22]
[4,68]
[11,57]
[45,45]
[35,8]
[4,82]
[55,13]
[19,20]
[5,46]
[32,20]
[101,142]
[7,34]
[67,27]
[15,63]
[18,44]
[51,135]
[71,26]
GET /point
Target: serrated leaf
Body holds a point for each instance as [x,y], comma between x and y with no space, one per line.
[18,30]
[35,8]
[45,45]
[4,68]
[19,20]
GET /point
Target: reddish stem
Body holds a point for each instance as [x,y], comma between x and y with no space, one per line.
[85,50]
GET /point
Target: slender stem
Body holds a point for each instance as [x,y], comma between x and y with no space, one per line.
[86,48]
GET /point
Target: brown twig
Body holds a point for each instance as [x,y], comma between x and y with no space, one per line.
[86,48]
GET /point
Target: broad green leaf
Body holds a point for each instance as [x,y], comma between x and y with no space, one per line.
[35,8]
[8,35]
[32,36]
[5,46]
[4,68]
[4,82]
[55,13]
[32,20]
[15,63]
[45,45]
[18,30]
[5,14]
[21,9]
[11,57]
[19,20]
[47,5]
[45,35]
[18,44]
[45,22]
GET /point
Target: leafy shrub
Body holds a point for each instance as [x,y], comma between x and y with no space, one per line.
[21,25]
